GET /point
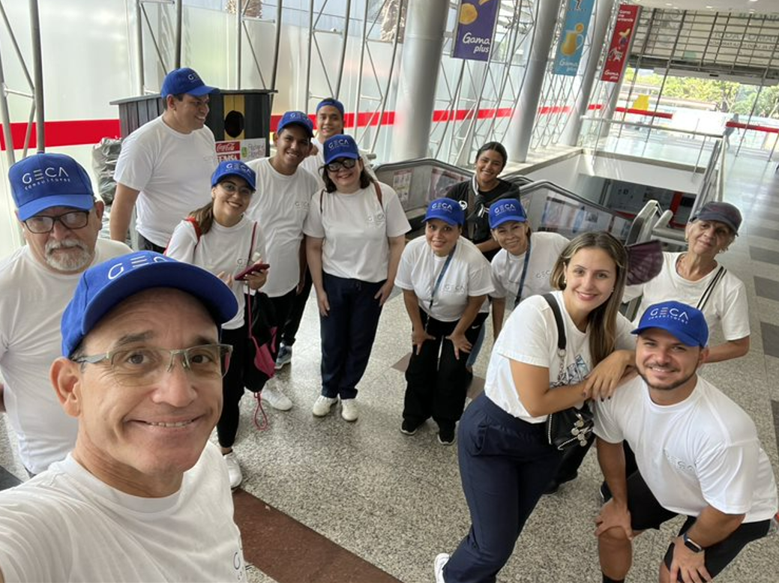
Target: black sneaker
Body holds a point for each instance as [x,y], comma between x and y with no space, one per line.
[446,436]
[408,428]
[556,482]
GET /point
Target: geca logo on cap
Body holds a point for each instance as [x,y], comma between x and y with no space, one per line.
[41,175]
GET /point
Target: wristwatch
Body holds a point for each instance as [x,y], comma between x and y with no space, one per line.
[691,544]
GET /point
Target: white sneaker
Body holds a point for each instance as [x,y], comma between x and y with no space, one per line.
[349,409]
[322,405]
[275,398]
[233,470]
[438,566]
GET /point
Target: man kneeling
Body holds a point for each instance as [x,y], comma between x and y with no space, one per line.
[143,496]
[697,451]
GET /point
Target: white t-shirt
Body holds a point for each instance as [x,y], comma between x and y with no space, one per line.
[507,269]
[67,525]
[222,249]
[171,170]
[468,275]
[280,206]
[530,336]
[727,303]
[32,300]
[702,451]
[355,231]
[314,163]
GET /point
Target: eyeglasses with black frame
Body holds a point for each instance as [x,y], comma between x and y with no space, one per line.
[347,163]
[143,365]
[72,220]
[232,188]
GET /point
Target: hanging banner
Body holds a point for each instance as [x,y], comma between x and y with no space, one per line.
[569,49]
[617,57]
[475,29]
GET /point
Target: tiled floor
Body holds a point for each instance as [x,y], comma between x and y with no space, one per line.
[324,500]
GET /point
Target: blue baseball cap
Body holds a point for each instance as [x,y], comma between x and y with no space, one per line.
[296,118]
[722,212]
[684,322]
[447,210]
[45,180]
[234,168]
[508,209]
[184,80]
[340,146]
[331,102]
[106,285]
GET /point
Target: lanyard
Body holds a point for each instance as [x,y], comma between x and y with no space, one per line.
[524,271]
[438,283]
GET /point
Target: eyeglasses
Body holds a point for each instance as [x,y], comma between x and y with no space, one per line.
[143,365]
[347,163]
[231,188]
[72,220]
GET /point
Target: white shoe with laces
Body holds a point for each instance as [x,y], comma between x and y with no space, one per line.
[233,470]
[349,410]
[322,405]
[438,566]
[275,398]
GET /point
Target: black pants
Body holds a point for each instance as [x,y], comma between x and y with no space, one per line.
[292,324]
[282,306]
[145,245]
[240,374]
[436,382]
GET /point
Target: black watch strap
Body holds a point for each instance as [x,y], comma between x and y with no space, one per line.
[691,544]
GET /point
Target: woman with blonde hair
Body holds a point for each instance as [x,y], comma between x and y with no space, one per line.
[506,460]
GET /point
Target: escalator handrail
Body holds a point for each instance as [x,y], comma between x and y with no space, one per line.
[539,184]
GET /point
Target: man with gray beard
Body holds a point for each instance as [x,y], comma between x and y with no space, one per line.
[60,219]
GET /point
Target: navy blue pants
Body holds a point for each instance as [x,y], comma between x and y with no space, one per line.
[347,333]
[505,465]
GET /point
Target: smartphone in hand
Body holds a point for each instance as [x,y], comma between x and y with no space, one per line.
[251,269]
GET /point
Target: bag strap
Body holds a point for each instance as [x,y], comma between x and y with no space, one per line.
[248,296]
[196,226]
[710,288]
[524,273]
[558,318]
[561,341]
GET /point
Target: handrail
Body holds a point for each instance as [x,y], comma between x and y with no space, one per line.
[422,161]
[531,187]
[646,125]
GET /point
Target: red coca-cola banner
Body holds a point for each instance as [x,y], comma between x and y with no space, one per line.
[617,57]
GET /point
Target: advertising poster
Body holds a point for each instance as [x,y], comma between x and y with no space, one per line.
[475,29]
[616,58]
[572,36]
[401,184]
[245,150]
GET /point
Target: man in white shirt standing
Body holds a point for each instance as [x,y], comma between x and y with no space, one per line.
[60,221]
[697,452]
[144,495]
[166,165]
[280,206]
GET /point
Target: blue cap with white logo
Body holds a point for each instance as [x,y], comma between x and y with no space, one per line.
[184,80]
[104,286]
[684,322]
[447,210]
[508,209]
[296,118]
[45,180]
[332,102]
[340,146]
[234,168]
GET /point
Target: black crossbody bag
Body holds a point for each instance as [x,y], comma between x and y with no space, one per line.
[570,427]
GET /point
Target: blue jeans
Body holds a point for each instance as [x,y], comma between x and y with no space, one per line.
[347,333]
[476,348]
[505,465]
